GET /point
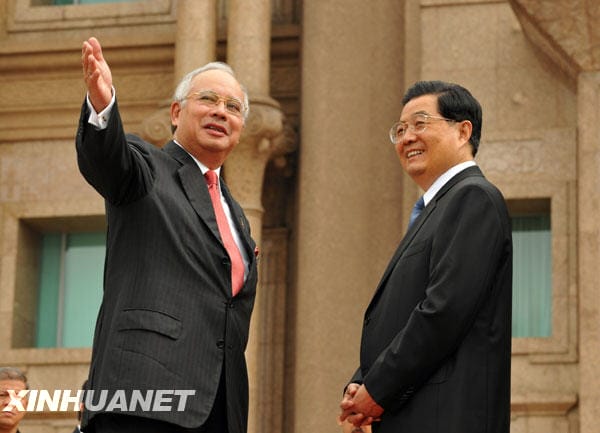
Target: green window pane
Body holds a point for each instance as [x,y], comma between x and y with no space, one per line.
[84,261]
[532,276]
[47,321]
[70,290]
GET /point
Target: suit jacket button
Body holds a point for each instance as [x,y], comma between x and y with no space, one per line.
[220,344]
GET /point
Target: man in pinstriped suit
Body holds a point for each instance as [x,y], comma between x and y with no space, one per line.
[168,319]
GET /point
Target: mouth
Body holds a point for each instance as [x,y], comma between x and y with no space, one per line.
[217,128]
[413,153]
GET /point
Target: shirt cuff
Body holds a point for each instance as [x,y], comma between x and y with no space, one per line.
[100,120]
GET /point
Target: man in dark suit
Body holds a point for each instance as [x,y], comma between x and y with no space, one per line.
[435,352]
[178,290]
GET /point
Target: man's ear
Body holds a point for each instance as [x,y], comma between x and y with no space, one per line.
[175,111]
[465,130]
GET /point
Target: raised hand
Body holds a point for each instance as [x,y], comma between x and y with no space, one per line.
[96,74]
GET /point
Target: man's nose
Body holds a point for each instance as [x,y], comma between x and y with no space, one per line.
[219,108]
[409,135]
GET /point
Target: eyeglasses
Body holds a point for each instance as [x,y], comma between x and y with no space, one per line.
[208,97]
[418,124]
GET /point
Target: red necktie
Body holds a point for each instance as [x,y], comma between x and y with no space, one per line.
[237,263]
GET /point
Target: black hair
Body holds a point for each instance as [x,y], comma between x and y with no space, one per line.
[454,102]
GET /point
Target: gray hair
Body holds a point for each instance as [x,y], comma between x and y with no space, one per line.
[13,373]
[184,86]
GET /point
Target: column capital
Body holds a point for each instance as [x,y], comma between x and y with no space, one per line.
[265,136]
[265,119]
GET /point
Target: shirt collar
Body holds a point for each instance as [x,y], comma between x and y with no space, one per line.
[444,178]
[202,167]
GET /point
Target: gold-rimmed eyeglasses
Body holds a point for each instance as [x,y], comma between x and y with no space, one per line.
[417,124]
[208,97]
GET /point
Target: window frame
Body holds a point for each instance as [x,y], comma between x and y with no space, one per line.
[21,224]
[561,346]
[531,208]
[25,17]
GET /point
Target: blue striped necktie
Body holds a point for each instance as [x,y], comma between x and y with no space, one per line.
[416,211]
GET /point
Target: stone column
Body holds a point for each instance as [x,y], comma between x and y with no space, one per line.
[249,43]
[248,52]
[349,195]
[196,41]
[588,196]
[195,45]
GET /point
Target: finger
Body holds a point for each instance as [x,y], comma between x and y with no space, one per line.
[350,393]
[94,43]
[367,421]
[345,414]
[351,389]
[91,69]
[86,51]
[96,48]
[346,404]
[356,419]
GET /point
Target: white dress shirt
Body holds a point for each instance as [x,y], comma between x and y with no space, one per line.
[444,178]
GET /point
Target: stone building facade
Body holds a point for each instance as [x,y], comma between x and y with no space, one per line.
[315,171]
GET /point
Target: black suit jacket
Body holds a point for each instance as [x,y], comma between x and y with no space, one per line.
[168,320]
[435,350]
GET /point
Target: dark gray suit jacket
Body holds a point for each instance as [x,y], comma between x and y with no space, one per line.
[435,350]
[167,319]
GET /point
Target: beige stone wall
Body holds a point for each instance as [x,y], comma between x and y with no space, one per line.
[348,217]
[529,149]
[41,189]
[334,209]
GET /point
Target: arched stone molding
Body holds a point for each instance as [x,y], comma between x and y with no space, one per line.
[565,30]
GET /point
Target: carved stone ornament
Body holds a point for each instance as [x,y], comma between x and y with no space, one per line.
[565,30]
[156,128]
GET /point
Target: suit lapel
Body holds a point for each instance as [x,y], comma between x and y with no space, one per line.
[404,243]
[194,187]
[414,229]
[196,191]
[410,234]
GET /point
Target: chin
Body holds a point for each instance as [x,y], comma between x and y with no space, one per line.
[413,171]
